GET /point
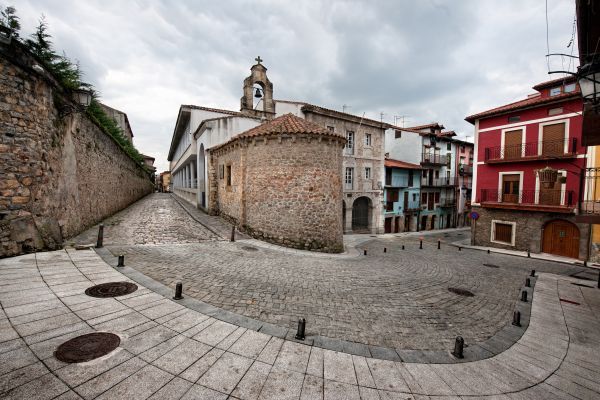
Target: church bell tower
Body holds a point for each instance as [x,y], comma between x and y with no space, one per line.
[258,93]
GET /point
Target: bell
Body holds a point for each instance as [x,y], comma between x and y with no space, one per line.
[257,94]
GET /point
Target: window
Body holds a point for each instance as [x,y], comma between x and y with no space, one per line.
[414,197]
[221,171]
[424,173]
[570,88]
[424,198]
[410,178]
[437,174]
[514,118]
[555,91]
[437,197]
[449,146]
[229,175]
[462,148]
[348,178]
[555,111]
[350,142]
[331,129]
[368,173]
[398,134]
[367,139]
[503,232]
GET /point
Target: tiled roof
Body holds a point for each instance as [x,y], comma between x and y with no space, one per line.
[311,107]
[526,103]
[218,110]
[431,125]
[554,82]
[400,164]
[447,134]
[287,123]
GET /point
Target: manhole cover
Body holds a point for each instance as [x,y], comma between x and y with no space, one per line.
[111,289]
[461,292]
[491,266]
[249,248]
[87,347]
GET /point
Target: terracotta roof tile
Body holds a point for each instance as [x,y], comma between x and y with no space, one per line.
[553,82]
[400,164]
[218,110]
[287,123]
[431,125]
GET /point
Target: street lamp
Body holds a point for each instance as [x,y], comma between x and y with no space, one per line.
[83,97]
[589,82]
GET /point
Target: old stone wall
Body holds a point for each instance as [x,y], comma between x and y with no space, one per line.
[58,174]
[285,190]
[529,229]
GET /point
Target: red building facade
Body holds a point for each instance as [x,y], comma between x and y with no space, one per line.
[512,143]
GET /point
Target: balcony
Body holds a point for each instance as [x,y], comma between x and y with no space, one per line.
[411,206]
[438,182]
[445,203]
[532,151]
[589,209]
[467,169]
[551,200]
[397,181]
[433,159]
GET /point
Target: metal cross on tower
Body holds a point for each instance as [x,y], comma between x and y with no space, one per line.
[258,59]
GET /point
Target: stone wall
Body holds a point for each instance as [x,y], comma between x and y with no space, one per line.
[286,189]
[529,229]
[58,175]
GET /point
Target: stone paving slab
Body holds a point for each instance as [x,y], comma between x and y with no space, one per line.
[556,357]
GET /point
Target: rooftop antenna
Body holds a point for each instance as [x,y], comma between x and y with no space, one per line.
[381,114]
[344,106]
[400,117]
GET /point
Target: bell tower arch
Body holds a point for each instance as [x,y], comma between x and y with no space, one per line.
[258,86]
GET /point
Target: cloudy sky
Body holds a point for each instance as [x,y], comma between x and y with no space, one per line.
[428,60]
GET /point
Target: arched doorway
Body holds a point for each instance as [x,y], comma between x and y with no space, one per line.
[433,218]
[561,238]
[361,218]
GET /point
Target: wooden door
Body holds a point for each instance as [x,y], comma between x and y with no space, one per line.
[510,188]
[553,140]
[561,238]
[513,144]
[388,225]
[550,196]
[397,225]
[430,200]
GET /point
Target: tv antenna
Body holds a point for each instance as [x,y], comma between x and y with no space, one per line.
[344,106]
[400,117]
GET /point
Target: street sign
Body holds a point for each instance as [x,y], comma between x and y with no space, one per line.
[474,215]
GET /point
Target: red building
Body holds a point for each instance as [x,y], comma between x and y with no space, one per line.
[512,143]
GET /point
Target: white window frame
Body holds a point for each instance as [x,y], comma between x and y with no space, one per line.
[368,139]
[523,132]
[563,187]
[367,172]
[493,232]
[501,174]
[349,142]
[554,122]
[349,178]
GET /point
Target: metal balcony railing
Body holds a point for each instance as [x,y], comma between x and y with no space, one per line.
[545,149]
[590,204]
[396,181]
[437,182]
[432,158]
[467,169]
[448,202]
[547,197]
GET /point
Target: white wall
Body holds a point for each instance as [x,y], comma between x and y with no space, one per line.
[406,148]
[286,108]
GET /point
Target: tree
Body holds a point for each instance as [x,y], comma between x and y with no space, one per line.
[40,44]
[9,19]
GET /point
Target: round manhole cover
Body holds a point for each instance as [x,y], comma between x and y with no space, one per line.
[461,292]
[111,289]
[87,347]
[249,248]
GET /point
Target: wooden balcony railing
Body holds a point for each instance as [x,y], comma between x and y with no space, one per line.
[546,198]
[544,150]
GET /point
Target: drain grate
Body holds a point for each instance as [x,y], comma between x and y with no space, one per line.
[461,292]
[581,284]
[491,266]
[249,248]
[87,347]
[111,289]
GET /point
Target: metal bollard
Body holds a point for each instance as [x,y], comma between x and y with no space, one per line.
[100,236]
[459,248]
[178,290]
[516,318]
[488,251]
[364,252]
[421,244]
[121,262]
[524,296]
[385,249]
[459,344]
[301,329]
[527,282]
[585,263]
[528,253]
[403,249]
[533,272]
[439,244]
[232,234]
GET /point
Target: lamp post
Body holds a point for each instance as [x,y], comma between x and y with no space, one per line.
[589,82]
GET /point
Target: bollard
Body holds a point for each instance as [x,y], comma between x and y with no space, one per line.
[524,296]
[403,249]
[100,236]
[301,329]
[121,262]
[459,344]
[527,282]
[385,249]
[232,234]
[528,253]
[599,280]
[365,252]
[421,244]
[439,244]
[585,263]
[459,248]
[516,318]
[488,251]
[178,290]
[533,272]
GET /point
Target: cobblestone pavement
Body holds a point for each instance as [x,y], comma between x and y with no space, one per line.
[168,351]
[155,219]
[397,299]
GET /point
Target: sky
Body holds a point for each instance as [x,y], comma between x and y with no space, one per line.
[426,60]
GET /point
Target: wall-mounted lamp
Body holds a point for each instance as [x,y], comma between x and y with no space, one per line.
[82,99]
[589,82]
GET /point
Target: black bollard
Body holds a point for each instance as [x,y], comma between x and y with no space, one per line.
[516,318]
[121,262]
[599,280]
[528,253]
[459,344]
[524,296]
[232,234]
[533,272]
[488,251]
[365,252]
[178,290]
[403,249]
[459,248]
[527,282]
[439,244]
[421,244]
[301,329]
[100,236]
[585,263]
[385,249]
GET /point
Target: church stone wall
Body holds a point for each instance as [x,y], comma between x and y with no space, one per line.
[58,176]
[292,190]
